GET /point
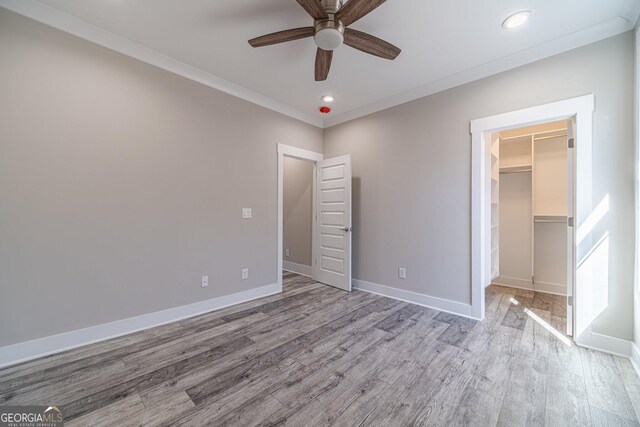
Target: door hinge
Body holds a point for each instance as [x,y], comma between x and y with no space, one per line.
[570,301]
[570,221]
[533,279]
[572,142]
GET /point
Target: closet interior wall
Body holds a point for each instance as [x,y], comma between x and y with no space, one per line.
[529,208]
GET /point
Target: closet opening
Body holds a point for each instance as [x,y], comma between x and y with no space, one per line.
[532,199]
[583,290]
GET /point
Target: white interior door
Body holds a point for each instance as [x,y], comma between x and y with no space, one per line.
[571,141]
[332,255]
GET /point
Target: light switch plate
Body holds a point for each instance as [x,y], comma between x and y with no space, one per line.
[246,213]
[245,273]
[402,273]
[205,281]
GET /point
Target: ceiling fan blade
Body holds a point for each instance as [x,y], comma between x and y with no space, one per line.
[323,64]
[314,8]
[282,36]
[370,44]
[356,9]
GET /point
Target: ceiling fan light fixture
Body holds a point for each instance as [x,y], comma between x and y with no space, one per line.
[329,34]
[328,39]
[516,20]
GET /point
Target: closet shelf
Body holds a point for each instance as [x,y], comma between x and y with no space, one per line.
[516,169]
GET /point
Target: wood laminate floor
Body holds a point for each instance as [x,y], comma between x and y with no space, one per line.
[317,356]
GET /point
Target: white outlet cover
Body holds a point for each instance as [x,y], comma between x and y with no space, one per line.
[205,281]
[402,273]
[246,213]
[245,273]
[287,252]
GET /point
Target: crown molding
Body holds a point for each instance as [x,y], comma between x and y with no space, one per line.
[571,41]
[54,18]
[629,17]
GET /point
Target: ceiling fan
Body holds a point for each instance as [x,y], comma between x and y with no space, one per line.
[329,31]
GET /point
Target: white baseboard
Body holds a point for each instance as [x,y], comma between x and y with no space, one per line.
[28,350]
[547,288]
[605,343]
[550,288]
[635,357]
[304,270]
[513,282]
[448,306]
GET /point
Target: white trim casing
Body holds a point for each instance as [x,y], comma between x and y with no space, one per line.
[294,267]
[582,108]
[448,306]
[298,153]
[28,350]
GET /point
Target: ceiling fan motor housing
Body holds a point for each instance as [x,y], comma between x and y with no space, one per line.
[331,6]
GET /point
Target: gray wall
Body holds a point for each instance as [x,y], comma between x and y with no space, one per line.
[122,184]
[297,210]
[412,163]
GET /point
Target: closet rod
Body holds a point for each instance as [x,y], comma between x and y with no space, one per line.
[550,218]
[549,137]
[529,134]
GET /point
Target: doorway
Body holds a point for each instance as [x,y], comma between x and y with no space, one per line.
[581,110]
[297,231]
[330,261]
[532,213]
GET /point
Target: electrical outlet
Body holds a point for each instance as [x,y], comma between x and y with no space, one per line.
[246,213]
[245,273]
[402,273]
[205,281]
[286,252]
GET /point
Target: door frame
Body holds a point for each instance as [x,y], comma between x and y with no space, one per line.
[301,154]
[582,109]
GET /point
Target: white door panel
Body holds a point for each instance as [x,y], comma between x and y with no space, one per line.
[332,263]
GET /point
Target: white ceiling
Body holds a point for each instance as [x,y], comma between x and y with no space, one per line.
[444,43]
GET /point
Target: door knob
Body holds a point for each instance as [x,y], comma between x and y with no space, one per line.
[347,229]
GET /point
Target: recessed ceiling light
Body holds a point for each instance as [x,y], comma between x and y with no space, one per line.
[516,20]
[327,98]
